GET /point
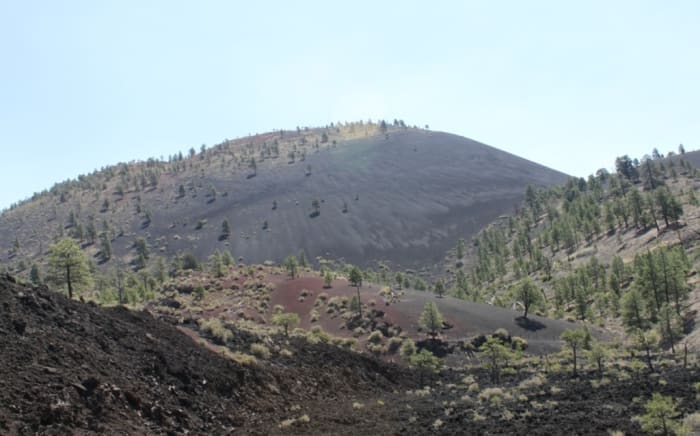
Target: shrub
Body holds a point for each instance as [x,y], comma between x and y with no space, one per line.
[304,419]
[199,292]
[241,358]
[287,423]
[375,337]
[278,309]
[314,316]
[492,395]
[316,335]
[357,405]
[502,334]
[286,321]
[260,350]
[393,345]
[286,353]
[518,343]
[467,400]
[350,343]
[334,302]
[468,379]
[216,328]
[408,349]
[535,381]
[375,349]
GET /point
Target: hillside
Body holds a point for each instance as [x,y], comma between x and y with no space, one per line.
[600,250]
[357,192]
[76,368]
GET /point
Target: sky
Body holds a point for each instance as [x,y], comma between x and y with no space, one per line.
[571,85]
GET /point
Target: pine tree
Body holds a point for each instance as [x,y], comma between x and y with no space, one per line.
[35,275]
[661,416]
[69,265]
[636,207]
[669,207]
[575,339]
[527,294]
[225,229]
[355,278]
[105,247]
[439,289]
[291,264]
[497,356]
[431,319]
[634,313]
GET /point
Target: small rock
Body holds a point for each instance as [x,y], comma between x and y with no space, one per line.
[19,325]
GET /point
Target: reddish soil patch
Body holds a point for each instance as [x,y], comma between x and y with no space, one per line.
[465,319]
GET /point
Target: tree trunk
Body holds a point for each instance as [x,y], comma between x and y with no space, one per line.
[68,281]
[359,302]
[651,367]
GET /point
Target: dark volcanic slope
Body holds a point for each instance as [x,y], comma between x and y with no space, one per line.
[692,156]
[73,368]
[409,198]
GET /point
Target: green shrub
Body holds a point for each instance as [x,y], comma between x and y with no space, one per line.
[278,309]
[241,358]
[216,328]
[535,381]
[393,345]
[375,337]
[316,335]
[493,396]
[502,334]
[260,350]
[314,316]
[408,349]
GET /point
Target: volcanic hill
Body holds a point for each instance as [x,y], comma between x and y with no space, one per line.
[354,192]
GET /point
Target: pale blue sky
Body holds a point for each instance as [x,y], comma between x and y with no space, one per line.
[568,84]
